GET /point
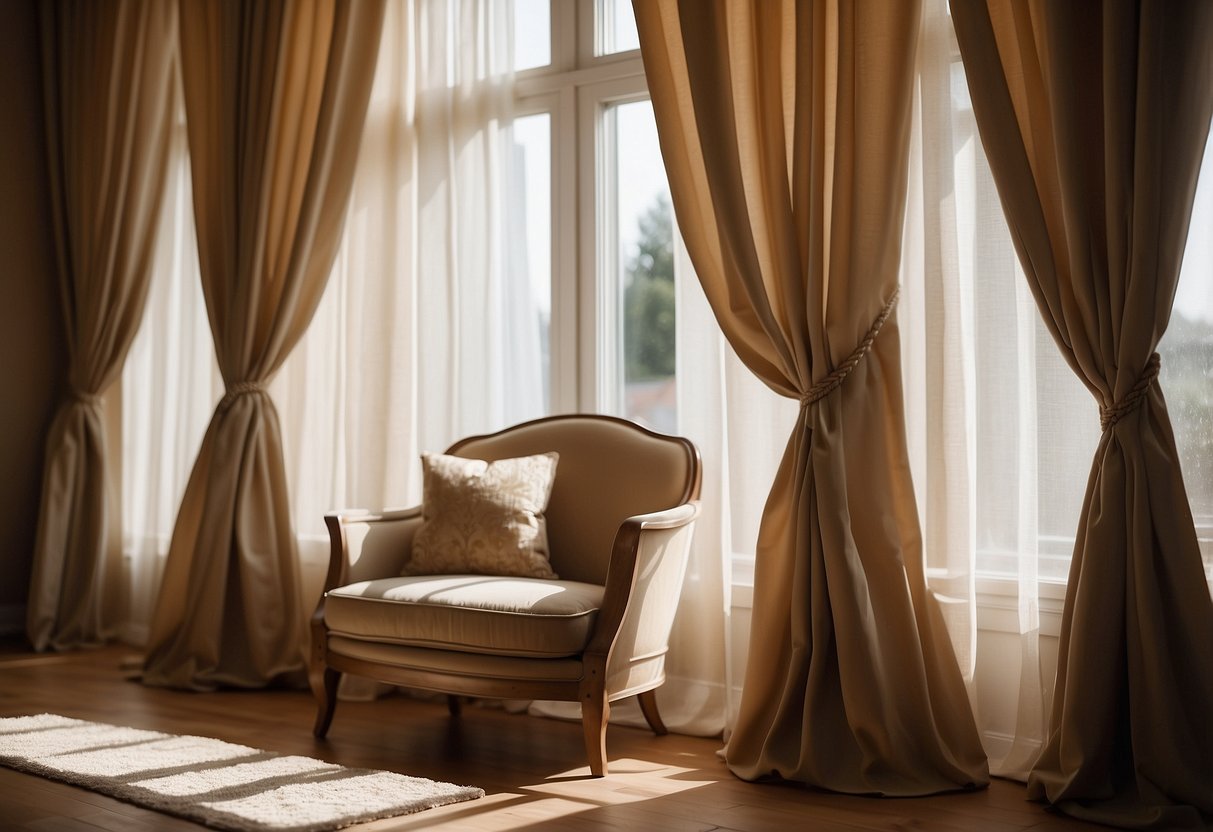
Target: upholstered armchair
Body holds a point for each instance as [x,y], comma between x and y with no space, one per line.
[618,523]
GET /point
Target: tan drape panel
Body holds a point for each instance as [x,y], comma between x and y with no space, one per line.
[107,76]
[784,129]
[1094,117]
[276,96]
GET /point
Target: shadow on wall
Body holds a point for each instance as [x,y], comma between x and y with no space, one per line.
[32,353]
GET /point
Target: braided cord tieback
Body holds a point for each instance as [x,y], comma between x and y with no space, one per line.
[240,388]
[1110,414]
[833,381]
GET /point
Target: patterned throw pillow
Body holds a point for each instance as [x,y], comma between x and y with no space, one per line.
[484,518]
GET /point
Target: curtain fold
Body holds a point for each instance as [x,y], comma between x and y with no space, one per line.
[108,69]
[423,337]
[784,129]
[1094,117]
[275,95]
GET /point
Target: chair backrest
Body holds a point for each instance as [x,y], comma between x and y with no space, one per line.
[609,469]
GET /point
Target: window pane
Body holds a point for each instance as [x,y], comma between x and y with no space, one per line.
[616,27]
[1187,362]
[528,218]
[643,269]
[1036,425]
[532,34]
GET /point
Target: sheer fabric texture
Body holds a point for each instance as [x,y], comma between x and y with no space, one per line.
[275,97]
[740,426]
[372,359]
[108,69]
[987,397]
[169,388]
[787,167]
[413,345]
[1071,101]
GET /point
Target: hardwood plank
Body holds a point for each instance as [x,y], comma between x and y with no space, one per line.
[533,770]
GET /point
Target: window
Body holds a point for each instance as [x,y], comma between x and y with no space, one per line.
[616,27]
[528,213]
[611,225]
[638,268]
[1037,425]
[1187,362]
[532,34]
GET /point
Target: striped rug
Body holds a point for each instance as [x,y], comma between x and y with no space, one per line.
[223,785]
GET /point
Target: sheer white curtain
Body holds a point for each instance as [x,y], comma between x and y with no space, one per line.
[999,485]
[1001,431]
[415,344]
[428,330]
[170,384]
[740,426]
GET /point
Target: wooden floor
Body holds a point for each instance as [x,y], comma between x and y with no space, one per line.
[530,768]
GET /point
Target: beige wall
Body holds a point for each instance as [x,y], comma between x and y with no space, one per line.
[32,355]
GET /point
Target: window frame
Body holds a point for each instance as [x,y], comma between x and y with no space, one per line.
[575,89]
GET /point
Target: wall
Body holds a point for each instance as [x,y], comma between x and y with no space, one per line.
[32,355]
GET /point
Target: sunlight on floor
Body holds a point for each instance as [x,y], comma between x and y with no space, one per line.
[565,793]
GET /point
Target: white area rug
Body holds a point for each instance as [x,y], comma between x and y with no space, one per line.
[217,783]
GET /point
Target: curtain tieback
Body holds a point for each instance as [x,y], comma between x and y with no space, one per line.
[84,397]
[240,388]
[833,381]
[1110,414]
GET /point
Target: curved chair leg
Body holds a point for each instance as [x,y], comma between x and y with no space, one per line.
[454,704]
[326,699]
[595,710]
[648,707]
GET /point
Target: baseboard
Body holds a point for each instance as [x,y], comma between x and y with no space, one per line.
[12,619]
[997,744]
[998,747]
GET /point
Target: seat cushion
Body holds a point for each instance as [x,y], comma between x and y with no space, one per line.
[471,613]
[450,662]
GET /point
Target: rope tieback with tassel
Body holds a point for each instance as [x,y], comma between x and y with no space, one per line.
[1110,414]
[833,381]
[240,388]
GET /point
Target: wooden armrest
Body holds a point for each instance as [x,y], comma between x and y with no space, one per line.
[363,545]
[638,551]
[670,518]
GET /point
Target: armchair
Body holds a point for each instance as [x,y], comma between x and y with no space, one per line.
[619,525]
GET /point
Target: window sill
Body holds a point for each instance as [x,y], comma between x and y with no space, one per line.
[999,609]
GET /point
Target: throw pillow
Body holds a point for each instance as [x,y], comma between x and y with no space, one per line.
[484,518]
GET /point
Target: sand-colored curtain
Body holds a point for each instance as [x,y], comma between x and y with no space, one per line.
[276,96]
[107,78]
[784,129]
[1094,117]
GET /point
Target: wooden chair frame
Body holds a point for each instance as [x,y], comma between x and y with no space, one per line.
[630,556]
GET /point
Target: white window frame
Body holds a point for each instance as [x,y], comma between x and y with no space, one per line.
[575,89]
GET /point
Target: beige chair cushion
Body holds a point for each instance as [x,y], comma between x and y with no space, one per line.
[484,518]
[471,665]
[471,613]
